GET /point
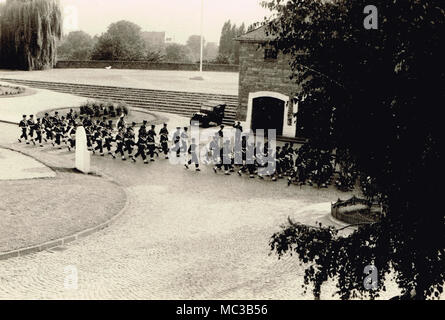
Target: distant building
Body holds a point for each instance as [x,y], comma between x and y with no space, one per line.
[154,40]
[265,88]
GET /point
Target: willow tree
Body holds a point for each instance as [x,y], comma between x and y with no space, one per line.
[29,30]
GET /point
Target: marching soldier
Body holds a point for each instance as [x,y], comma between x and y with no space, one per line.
[164,140]
[141,145]
[121,122]
[46,124]
[72,136]
[177,140]
[184,140]
[38,130]
[192,151]
[129,141]
[108,139]
[23,125]
[120,143]
[30,123]
[151,146]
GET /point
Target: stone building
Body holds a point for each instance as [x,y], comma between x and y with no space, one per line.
[265,88]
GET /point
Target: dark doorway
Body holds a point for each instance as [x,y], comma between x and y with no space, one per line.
[268,113]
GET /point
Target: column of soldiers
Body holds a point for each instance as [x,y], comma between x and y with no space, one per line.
[244,156]
[101,134]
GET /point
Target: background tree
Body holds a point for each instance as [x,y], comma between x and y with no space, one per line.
[194,44]
[122,41]
[178,53]
[228,46]
[29,30]
[381,90]
[210,51]
[236,45]
[77,45]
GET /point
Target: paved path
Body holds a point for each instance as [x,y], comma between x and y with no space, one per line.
[184,236]
[12,109]
[214,82]
[20,166]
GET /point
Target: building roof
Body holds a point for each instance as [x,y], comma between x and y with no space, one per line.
[256,35]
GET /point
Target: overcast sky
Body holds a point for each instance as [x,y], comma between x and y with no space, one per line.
[178,18]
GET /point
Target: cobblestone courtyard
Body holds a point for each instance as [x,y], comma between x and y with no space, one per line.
[184,236]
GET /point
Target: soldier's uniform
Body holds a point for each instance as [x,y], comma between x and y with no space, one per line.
[143,130]
[58,135]
[164,140]
[30,123]
[250,159]
[225,159]
[176,141]
[151,135]
[38,131]
[72,136]
[141,145]
[184,140]
[120,138]
[24,127]
[46,123]
[121,123]
[193,152]
[129,142]
[108,139]
[98,138]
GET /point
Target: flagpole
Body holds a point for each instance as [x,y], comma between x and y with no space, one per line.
[202,38]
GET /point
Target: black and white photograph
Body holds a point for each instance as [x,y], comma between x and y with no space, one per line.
[222,150]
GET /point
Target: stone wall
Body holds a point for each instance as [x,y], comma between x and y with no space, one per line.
[142,65]
[258,74]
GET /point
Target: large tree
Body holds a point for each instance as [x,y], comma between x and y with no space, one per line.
[194,44]
[122,41]
[178,53]
[77,45]
[228,46]
[376,95]
[29,30]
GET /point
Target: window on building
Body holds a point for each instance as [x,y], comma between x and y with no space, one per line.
[270,54]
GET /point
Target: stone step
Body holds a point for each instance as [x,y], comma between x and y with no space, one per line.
[175,102]
[134,100]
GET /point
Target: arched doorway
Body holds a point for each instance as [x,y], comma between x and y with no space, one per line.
[268,113]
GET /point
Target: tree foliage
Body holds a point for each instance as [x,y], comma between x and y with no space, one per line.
[194,44]
[123,41]
[178,53]
[29,30]
[228,46]
[77,45]
[374,95]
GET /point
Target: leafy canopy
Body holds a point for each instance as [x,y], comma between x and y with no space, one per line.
[375,95]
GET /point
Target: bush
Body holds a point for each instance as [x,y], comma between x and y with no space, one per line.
[104,108]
